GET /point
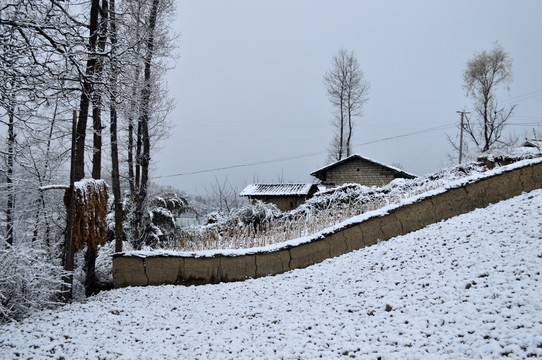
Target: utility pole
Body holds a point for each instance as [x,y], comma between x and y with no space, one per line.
[463,113]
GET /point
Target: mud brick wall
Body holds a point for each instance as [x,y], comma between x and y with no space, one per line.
[130,270]
[281,202]
[360,172]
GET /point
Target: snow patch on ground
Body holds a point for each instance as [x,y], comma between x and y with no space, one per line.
[469,287]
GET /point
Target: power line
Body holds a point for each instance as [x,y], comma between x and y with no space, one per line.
[441,127]
[301,156]
[524,124]
[240,165]
[526,96]
[536,117]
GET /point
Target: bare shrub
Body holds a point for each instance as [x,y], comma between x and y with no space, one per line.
[28,280]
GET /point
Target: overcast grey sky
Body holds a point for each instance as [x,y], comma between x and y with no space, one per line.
[248,82]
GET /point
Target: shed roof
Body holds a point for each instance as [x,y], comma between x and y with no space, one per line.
[536,143]
[277,189]
[356,156]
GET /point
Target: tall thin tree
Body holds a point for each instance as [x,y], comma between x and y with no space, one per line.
[484,73]
[91,286]
[347,91]
[113,129]
[86,91]
[143,160]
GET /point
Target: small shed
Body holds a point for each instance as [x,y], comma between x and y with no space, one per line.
[284,196]
[359,170]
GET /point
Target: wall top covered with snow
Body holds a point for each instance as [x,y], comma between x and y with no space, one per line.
[461,196]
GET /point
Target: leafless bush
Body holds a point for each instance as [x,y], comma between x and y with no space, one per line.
[28,280]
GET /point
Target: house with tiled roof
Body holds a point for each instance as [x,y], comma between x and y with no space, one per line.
[360,170]
[284,196]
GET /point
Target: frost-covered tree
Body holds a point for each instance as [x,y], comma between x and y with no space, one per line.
[114,70]
[39,58]
[347,90]
[60,56]
[33,82]
[484,74]
[144,30]
[161,218]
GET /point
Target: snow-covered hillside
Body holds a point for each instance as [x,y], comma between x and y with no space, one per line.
[469,287]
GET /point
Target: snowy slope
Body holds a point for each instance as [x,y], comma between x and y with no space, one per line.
[469,287]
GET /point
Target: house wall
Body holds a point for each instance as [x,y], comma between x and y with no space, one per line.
[283,203]
[130,270]
[361,172]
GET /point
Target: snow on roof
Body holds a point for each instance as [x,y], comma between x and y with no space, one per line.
[351,157]
[536,143]
[277,190]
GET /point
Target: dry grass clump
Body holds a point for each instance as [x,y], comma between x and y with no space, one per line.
[259,225]
[318,214]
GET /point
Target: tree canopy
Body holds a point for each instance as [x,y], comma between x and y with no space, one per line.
[484,74]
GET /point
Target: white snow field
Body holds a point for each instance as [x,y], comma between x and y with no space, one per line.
[465,288]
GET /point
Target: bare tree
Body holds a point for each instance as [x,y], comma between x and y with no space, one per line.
[144,42]
[39,57]
[485,72]
[222,196]
[115,174]
[347,90]
[143,153]
[87,91]
[57,56]
[31,76]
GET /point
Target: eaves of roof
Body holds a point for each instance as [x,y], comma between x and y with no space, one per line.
[356,156]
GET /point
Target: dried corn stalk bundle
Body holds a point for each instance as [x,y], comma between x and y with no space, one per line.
[90,204]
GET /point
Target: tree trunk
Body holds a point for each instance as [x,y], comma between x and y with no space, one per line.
[113,130]
[41,178]
[91,282]
[486,127]
[97,105]
[86,93]
[138,207]
[341,128]
[131,165]
[349,136]
[10,203]
[78,149]
[68,244]
[138,150]
[131,179]
[97,141]
[143,123]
